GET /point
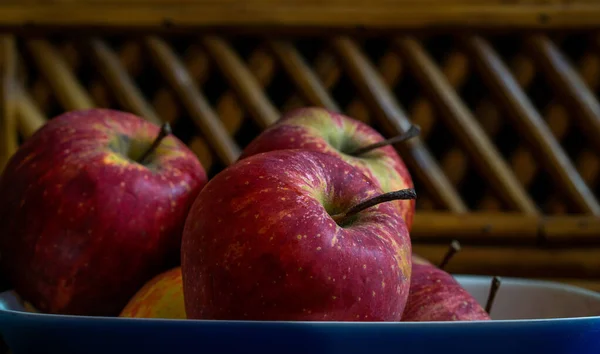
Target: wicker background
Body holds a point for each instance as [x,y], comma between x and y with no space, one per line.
[508,162]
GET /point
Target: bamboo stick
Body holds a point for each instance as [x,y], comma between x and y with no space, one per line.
[8,98]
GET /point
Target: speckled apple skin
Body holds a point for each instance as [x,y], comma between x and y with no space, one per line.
[436,296]
[161,297]
[260,245]
[315,128]
[83,228]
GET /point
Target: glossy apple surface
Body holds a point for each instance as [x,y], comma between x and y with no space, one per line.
[260,243]
[436,296]
[318,129]
[84,224]
[161,297]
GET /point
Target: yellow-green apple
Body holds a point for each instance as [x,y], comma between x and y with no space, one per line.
[435,295]
[93,206]
[161,297]
[314,128]
[295,235]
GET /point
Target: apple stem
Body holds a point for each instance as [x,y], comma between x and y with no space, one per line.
[165,130]
[402,194]
[496,281]
[413,131]
[452,250]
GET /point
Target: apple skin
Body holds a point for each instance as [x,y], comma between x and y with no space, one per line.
[260,244]
[318,129]
[84,227]
[436,296]
[161,297]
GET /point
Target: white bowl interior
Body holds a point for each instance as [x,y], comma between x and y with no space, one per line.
[531,299]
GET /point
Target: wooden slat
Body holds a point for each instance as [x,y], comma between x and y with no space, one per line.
[475,227]
[328,72]
[571,229]
[569,85]
[391,70]
[560,122]
[30,117]
[304,78]
[455,69]
[123,87]
[588,160]
[532,126]
[302,13]
[518,261]
[195,102]
[489,119]
[164,100]
[505,227]
[8,98]
[491,116]
[67,89]
[466,127]
[394,121]
[522,161]
[243,82]
[423,112]
[229,107]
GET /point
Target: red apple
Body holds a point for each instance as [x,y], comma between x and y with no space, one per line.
[436,296]
[161,297]
[93,206]
[318,129]
[283,236]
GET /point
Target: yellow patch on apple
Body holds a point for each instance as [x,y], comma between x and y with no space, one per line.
[161,297]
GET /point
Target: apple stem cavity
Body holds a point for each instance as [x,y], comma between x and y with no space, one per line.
[403,194]
[452,250]
[413,131]
[165,130]
[496,281]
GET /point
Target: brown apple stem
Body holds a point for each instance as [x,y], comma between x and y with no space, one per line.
[165,130]
[402,194]
[452,250]
[496,281]
[413,131]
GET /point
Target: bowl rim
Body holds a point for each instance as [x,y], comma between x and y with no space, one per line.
[24,315]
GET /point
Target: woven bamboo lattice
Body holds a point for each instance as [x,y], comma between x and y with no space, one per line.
[508,160]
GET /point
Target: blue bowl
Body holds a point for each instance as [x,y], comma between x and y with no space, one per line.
[529,317]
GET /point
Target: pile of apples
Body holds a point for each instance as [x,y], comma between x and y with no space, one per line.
[106,214]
